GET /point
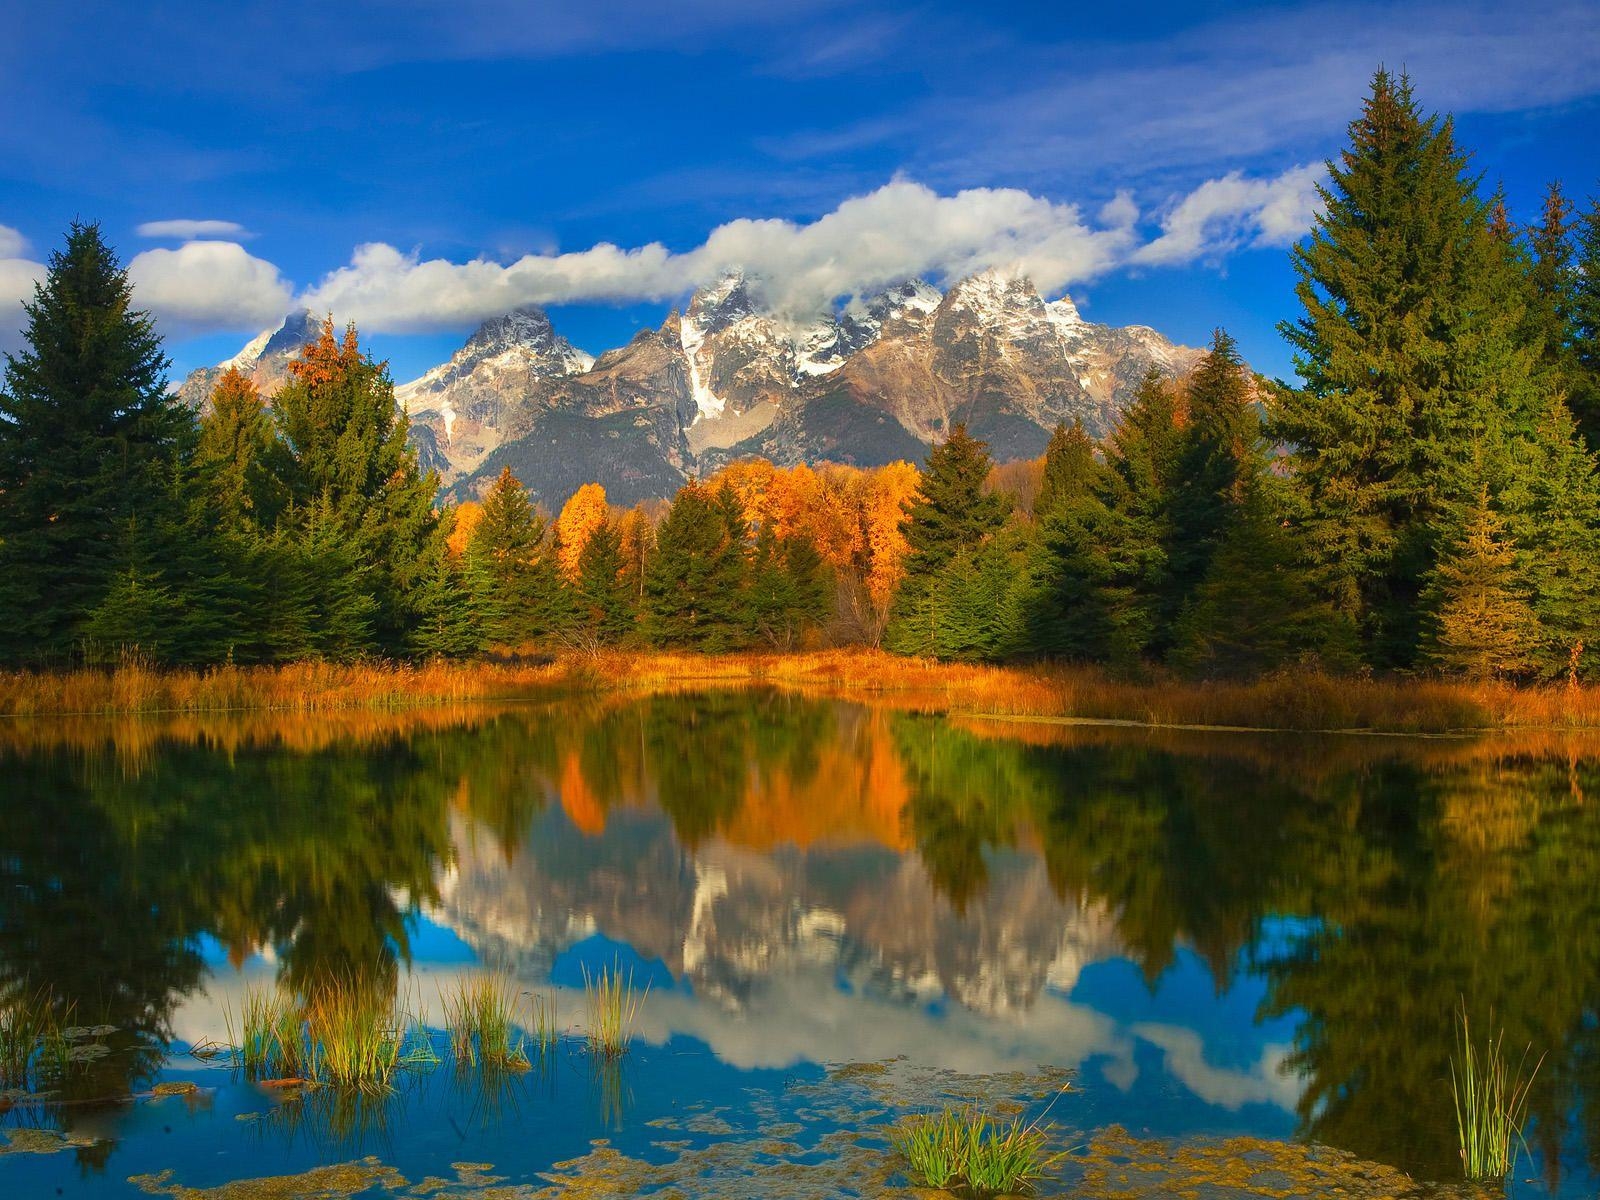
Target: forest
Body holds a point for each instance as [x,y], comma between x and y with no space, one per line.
[1422,499]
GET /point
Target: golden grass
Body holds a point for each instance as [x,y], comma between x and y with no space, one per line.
[1300,700]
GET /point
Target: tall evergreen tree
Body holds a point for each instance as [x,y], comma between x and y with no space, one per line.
[952,512]
[91,448]
[1069,469]
[1583,394]
[347,450]
[1552,276]
[239,458]
[695,579]
[1219,459]
[511,565]
[1413,349]
[1484,625]
[605,594]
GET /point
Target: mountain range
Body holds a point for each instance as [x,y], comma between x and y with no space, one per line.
[731,376]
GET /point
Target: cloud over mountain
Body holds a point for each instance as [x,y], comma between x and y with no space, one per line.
[205,285]
[901,230]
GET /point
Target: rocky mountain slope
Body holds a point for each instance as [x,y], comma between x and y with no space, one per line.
[731,376]
[265,359]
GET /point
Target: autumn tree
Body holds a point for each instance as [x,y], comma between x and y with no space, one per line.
[582,515]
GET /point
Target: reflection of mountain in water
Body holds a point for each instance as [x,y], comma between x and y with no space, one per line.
[738,923]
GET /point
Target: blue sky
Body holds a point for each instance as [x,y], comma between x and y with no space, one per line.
[416,166]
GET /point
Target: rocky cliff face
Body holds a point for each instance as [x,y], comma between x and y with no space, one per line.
[463,409]
[875,382]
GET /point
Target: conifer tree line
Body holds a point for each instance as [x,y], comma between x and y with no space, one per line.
[1424,499]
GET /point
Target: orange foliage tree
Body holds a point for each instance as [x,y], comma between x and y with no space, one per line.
[467,514]
[580,517]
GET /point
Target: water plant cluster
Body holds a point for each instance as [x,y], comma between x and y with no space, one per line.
[345,1032]
[970,1152]
[1491,1101]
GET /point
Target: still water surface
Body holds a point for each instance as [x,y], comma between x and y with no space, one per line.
[1217,935]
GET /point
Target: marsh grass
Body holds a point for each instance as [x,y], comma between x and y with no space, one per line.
[971,1153]
[28,1026]
[355,1035]
[480,1019]
[1305,698]
[613,1005]
[1491,1101]
[270,1039]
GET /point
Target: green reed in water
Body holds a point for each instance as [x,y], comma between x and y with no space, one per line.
[1491,1099]
[28,1026]
[270,1041]
[613,1003]
[972,1153]
[480,1017]
[355,1034]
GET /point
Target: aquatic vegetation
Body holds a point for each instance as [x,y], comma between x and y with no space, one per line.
[480,1018]
[27,1025]
[1491,1101]
[355,1034]
[270,1041]
[613,1005]
[970,1152]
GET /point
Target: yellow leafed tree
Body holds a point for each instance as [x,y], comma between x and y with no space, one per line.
[580,517]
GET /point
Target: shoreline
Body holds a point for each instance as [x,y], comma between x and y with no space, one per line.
[1295,701]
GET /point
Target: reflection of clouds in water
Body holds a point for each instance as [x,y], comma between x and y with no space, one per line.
[805,1017]
[1266,1082]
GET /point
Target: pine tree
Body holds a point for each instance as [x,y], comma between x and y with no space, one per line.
[1101,567]
[1414,352]
[952,512]
[604,592]
[447,625]
[239,458]
[1552,277]
[347,451]
[1069,469]
[91,447]
[1552,512]
[511,566]
[695,579]
[1583,395]
[1484,624]
[787,591]
[1218,462]
[1255,610]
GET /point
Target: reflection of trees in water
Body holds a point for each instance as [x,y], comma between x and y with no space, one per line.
[1421,885]
[1424,874]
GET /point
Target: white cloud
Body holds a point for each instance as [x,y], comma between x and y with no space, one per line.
[188,231]
[902,229]
[12,243]
[209,285]
[1223,214]
[17,277]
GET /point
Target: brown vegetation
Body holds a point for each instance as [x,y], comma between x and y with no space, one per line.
[1301,700]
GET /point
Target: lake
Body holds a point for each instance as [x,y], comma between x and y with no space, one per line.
[835,915]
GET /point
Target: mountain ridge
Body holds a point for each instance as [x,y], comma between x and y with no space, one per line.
[729,376]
